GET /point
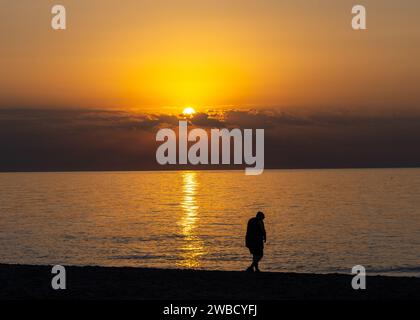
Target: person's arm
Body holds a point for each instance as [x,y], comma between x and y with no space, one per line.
[263,231]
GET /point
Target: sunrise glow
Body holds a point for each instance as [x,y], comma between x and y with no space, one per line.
[188,111]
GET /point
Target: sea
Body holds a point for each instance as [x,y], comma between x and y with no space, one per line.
[317,221]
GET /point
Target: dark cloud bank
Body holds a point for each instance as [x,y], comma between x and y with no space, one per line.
[61,140]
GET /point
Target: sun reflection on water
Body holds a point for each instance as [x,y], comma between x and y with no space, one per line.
[192,247]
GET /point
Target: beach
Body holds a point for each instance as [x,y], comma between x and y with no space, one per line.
[122,283]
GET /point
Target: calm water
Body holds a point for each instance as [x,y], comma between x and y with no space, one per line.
[316,220]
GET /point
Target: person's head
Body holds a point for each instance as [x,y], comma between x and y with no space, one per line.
[260,215]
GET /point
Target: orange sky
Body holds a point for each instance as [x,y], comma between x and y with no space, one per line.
[161,55]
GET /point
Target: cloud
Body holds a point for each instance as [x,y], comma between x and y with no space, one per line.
[80,139]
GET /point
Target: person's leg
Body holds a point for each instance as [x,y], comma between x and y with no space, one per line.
[250,268]
[256,259]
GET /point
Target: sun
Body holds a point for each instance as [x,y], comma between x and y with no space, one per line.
[188,111]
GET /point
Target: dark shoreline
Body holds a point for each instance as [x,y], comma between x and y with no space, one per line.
[121,283]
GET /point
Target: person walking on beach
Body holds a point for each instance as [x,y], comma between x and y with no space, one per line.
[255,239]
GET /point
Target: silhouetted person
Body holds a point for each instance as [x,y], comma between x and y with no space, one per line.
[255,239]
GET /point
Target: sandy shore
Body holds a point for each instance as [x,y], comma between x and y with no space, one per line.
[24,282]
